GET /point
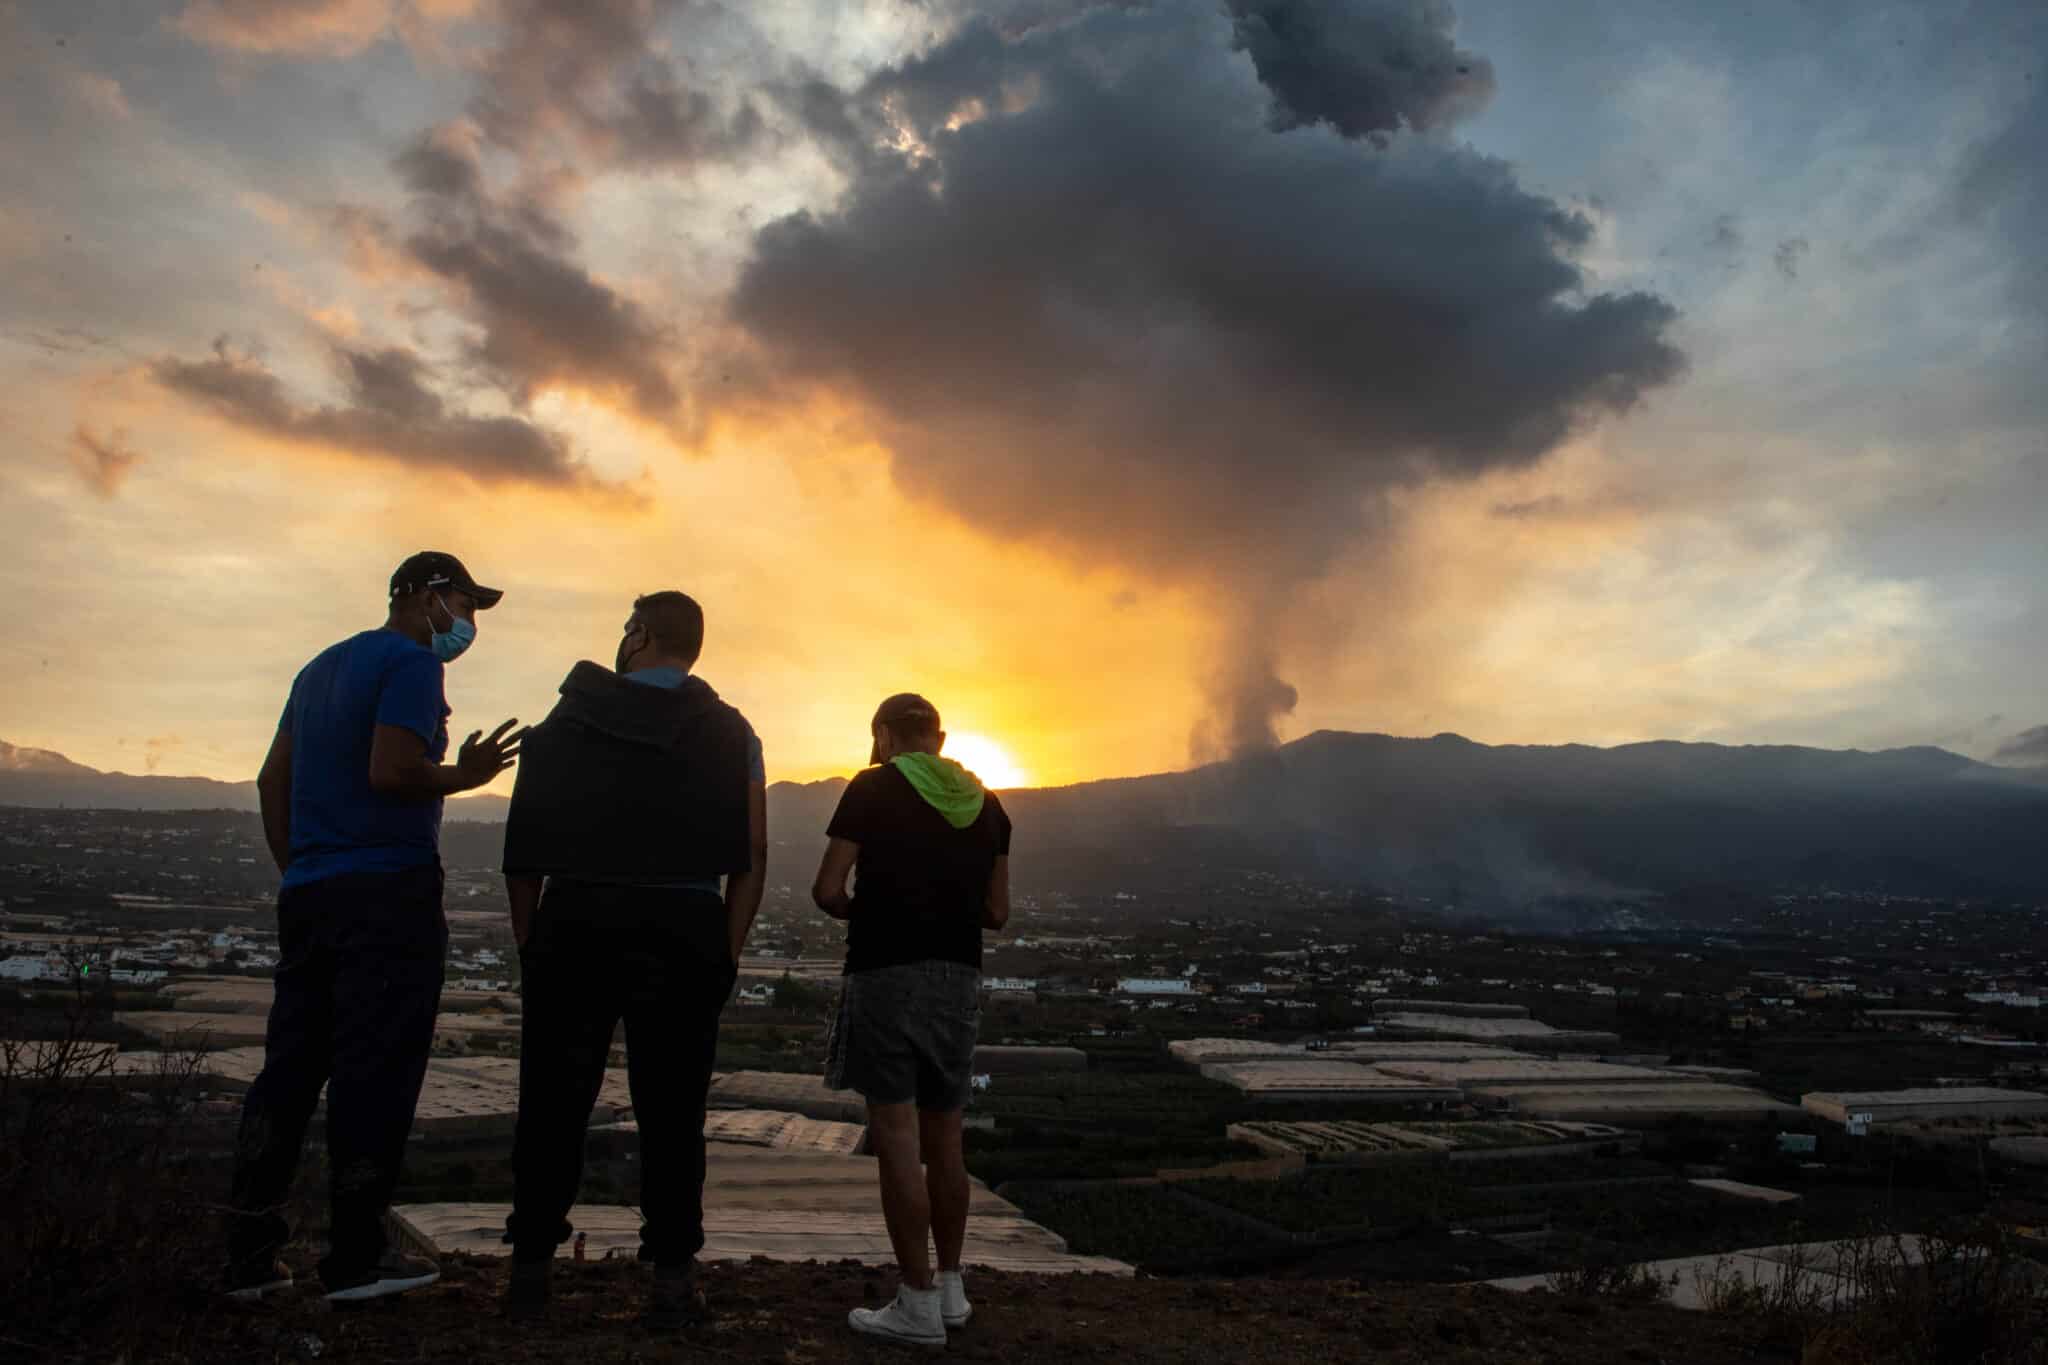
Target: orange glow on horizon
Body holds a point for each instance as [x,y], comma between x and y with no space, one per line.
[987,760]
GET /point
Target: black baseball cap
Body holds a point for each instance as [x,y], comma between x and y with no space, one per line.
[436,569]
[899,709]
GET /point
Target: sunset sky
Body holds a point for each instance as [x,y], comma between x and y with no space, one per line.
[1138,381]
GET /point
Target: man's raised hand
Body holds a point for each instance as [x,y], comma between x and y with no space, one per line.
[483,758]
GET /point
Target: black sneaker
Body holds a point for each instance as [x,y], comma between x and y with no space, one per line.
[394,1273]
[526,1294]
[252,1278]
[675,1302]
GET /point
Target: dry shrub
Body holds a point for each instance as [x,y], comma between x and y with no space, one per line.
[1612,1280]
[1964,1295]
[109,1217]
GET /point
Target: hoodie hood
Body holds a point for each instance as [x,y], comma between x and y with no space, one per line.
[660,717]
[946,787]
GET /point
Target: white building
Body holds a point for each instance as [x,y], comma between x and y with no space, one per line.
[1009,983]
[31,969]
[1155,985]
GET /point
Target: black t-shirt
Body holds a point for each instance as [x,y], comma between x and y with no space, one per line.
[919,885]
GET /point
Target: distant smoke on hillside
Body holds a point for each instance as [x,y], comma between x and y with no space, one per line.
[2029,746]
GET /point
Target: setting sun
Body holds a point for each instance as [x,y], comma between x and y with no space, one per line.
[987,760]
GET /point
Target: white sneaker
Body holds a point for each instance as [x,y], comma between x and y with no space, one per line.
[954,1309]
[912,1319]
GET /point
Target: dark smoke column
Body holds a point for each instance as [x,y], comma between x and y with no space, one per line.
[1184,290]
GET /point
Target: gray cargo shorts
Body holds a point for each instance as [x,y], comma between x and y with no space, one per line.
[906,1033]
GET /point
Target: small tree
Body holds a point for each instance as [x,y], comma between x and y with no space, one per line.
[802,997]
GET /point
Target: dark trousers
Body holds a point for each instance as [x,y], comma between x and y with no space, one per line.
[358,983]
[661,960]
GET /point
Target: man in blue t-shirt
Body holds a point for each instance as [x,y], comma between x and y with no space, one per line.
[351,795]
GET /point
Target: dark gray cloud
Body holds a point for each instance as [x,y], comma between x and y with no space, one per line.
[543,318]
[1726,237]
[443,162]
[1788,256]
[1095,299]
[2028,746]
[568,88]
[1365,67]
[391,414]
[102,461]
[2004,187]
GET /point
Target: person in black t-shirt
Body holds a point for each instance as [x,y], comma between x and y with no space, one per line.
[929,850]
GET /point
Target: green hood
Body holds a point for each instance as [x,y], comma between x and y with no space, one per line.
[947,787]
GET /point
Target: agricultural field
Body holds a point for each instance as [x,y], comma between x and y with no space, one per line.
[1146,1225]
[1098,1124]
[1348,1137]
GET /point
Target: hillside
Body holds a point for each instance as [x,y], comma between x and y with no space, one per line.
[1473,824]
[1490,825]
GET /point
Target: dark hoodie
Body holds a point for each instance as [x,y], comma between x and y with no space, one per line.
[629,783]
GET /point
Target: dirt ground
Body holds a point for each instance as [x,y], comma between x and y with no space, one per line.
[796,1315]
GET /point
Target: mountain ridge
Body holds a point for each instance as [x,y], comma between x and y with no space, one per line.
[1443,817]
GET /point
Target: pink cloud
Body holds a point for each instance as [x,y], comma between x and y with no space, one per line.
[337,28]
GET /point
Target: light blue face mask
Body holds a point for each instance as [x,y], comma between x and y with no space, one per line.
[449,644]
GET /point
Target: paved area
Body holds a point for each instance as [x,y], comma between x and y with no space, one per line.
[781,1205]
[1761,1193]
[795,1092]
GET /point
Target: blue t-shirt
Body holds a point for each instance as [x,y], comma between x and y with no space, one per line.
[338,823]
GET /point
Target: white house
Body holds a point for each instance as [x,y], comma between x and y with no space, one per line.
[1009,983]
[1155,985]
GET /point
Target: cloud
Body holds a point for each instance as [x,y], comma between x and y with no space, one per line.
[391,414]
[1528,509]
[1726,237]
[566,90]
[1365,67]
[2028,747]
[336,28]
[1087,294]
[2004,188]
[102,461]
[545,319]
[445,162]
[100,93]
[592,75]
[1789,254]
[506,263]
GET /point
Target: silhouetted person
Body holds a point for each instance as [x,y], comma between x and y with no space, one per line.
[636,793]
[351,796]
[929,850]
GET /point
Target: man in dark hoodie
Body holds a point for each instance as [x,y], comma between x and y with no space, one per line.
[929,850]
[636,793]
